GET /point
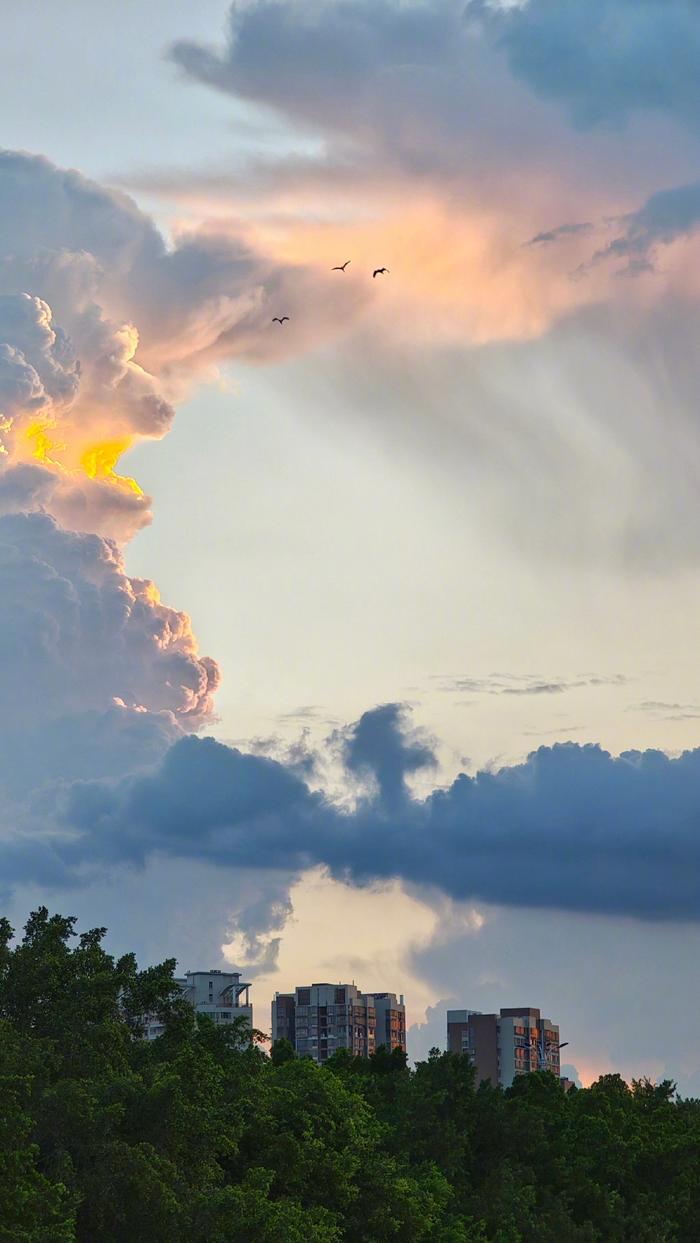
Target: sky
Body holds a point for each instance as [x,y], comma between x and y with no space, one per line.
[362,646]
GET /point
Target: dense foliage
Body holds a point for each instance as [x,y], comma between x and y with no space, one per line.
[200,1136]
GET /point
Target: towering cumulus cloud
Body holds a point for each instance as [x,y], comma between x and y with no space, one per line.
[101,326]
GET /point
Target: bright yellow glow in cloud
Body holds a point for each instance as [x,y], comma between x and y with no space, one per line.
[98,461]
[149,590]
[41,445]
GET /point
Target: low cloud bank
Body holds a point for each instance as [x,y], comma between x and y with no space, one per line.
[572,827]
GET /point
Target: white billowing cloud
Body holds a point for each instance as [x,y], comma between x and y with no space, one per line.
[80,635]
[98,676]
[37,368]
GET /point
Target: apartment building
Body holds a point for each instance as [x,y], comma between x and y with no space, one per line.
[223,995]
[318,1019]
[502,1046]
[390,1017]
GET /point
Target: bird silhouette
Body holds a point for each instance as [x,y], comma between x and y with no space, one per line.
[341,266]
[379,271]
[277,319]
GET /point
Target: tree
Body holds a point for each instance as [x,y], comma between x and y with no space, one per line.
[200,1137]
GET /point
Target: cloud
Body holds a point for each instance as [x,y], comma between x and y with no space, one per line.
[432,138]
[78,633]
[432,1033]
[37,367]
[99,676]
[307,714]
[101,325]
[656,705]
[334,62]
[382,747]
[570,828]
[387,73]
[386,95]
[571,1072]
[606,60]
[102,322]
[500,686]
[593,977]
[594,422]
[199,914]
[254,930]
[65,420]
[561,729]
[669,711]
[666,217]
[382,97]
[525,684]
[536,688]
[561,231]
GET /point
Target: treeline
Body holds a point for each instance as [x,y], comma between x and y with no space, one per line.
[201,1137]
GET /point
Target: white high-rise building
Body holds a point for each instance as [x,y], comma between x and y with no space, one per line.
[223,995]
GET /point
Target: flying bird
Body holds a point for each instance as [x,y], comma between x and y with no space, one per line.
[341,266]
[277,319]
[379,271]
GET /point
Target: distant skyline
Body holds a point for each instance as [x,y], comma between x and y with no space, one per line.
[435,524]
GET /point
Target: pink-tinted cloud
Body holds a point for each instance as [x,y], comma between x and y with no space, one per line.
[439,149]
[102,326]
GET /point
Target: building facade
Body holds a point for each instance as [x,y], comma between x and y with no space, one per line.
[390,1016]
[318,1019]
[502,1046]
[220,994]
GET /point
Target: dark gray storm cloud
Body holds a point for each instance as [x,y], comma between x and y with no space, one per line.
[572,827]
[607,59]
[378,747]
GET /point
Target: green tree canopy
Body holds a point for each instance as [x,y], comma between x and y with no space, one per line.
[199,1136]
